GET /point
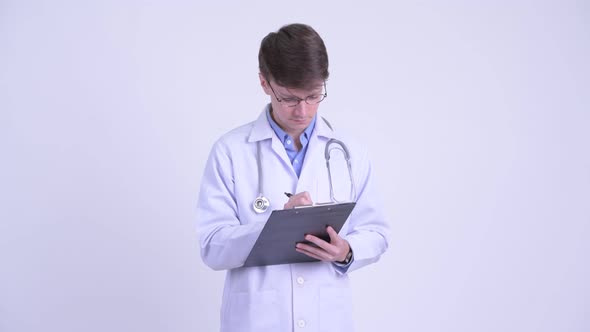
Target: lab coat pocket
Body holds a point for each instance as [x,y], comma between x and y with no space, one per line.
[335,309]
[253,311]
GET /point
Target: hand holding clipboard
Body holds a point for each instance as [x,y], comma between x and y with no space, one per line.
[285,228]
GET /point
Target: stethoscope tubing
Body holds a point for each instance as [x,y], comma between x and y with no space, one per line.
[261,203]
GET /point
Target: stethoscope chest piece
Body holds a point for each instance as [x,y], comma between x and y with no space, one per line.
[260,204]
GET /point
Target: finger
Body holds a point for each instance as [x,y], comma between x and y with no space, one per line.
[312,255]
[342,246]
[306,197]
[292,202]
[334,237]
[325,255]
[321,243]
[317,252]
[302,198]
[299,199]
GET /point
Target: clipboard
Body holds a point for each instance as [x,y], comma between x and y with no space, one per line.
[285,228]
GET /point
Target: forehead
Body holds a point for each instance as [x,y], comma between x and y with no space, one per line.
[313,88]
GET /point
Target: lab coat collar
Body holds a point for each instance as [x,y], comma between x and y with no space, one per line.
[262,130]
[323,128]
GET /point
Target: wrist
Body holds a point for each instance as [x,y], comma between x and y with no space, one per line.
[347,258]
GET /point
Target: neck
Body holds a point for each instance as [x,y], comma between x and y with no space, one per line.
[294,134]
[297,142]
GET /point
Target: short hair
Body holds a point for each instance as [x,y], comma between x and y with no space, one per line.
[295,57]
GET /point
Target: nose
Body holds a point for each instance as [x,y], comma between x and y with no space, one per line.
[301,109]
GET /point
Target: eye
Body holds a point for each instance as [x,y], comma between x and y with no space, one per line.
[291,100]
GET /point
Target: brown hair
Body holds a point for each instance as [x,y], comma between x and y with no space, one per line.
[295,57]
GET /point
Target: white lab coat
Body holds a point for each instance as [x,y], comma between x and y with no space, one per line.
[290,297]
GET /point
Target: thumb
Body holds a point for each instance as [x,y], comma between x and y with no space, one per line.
[334,237]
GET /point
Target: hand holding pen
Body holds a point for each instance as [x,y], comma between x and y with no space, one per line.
[299,199]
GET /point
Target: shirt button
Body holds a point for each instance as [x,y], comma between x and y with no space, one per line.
[288,141]
[296,161]
[301,323]
[300,280]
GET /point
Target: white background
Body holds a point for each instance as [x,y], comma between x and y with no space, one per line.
[476,114]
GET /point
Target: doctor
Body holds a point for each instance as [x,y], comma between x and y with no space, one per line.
[286,144]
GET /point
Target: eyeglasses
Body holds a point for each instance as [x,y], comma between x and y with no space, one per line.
[294,101]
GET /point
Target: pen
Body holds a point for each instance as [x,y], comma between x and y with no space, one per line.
[288,194]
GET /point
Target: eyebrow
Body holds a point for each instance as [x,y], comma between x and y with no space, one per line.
[318,89]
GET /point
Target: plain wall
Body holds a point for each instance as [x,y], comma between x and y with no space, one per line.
[476,115]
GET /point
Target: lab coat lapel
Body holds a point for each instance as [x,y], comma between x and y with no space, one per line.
[261,130]
[314,161]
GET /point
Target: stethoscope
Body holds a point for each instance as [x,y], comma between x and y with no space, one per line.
[261,203]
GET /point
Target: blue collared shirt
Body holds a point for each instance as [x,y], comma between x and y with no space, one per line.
[296,157]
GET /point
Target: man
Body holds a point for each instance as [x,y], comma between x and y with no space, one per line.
[286,144]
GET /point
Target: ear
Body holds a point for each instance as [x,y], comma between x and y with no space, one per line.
[264,84]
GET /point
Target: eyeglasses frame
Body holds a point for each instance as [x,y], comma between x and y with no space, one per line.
[299,100]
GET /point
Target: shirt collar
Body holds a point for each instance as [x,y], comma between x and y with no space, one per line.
[262,130]
[283,136]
